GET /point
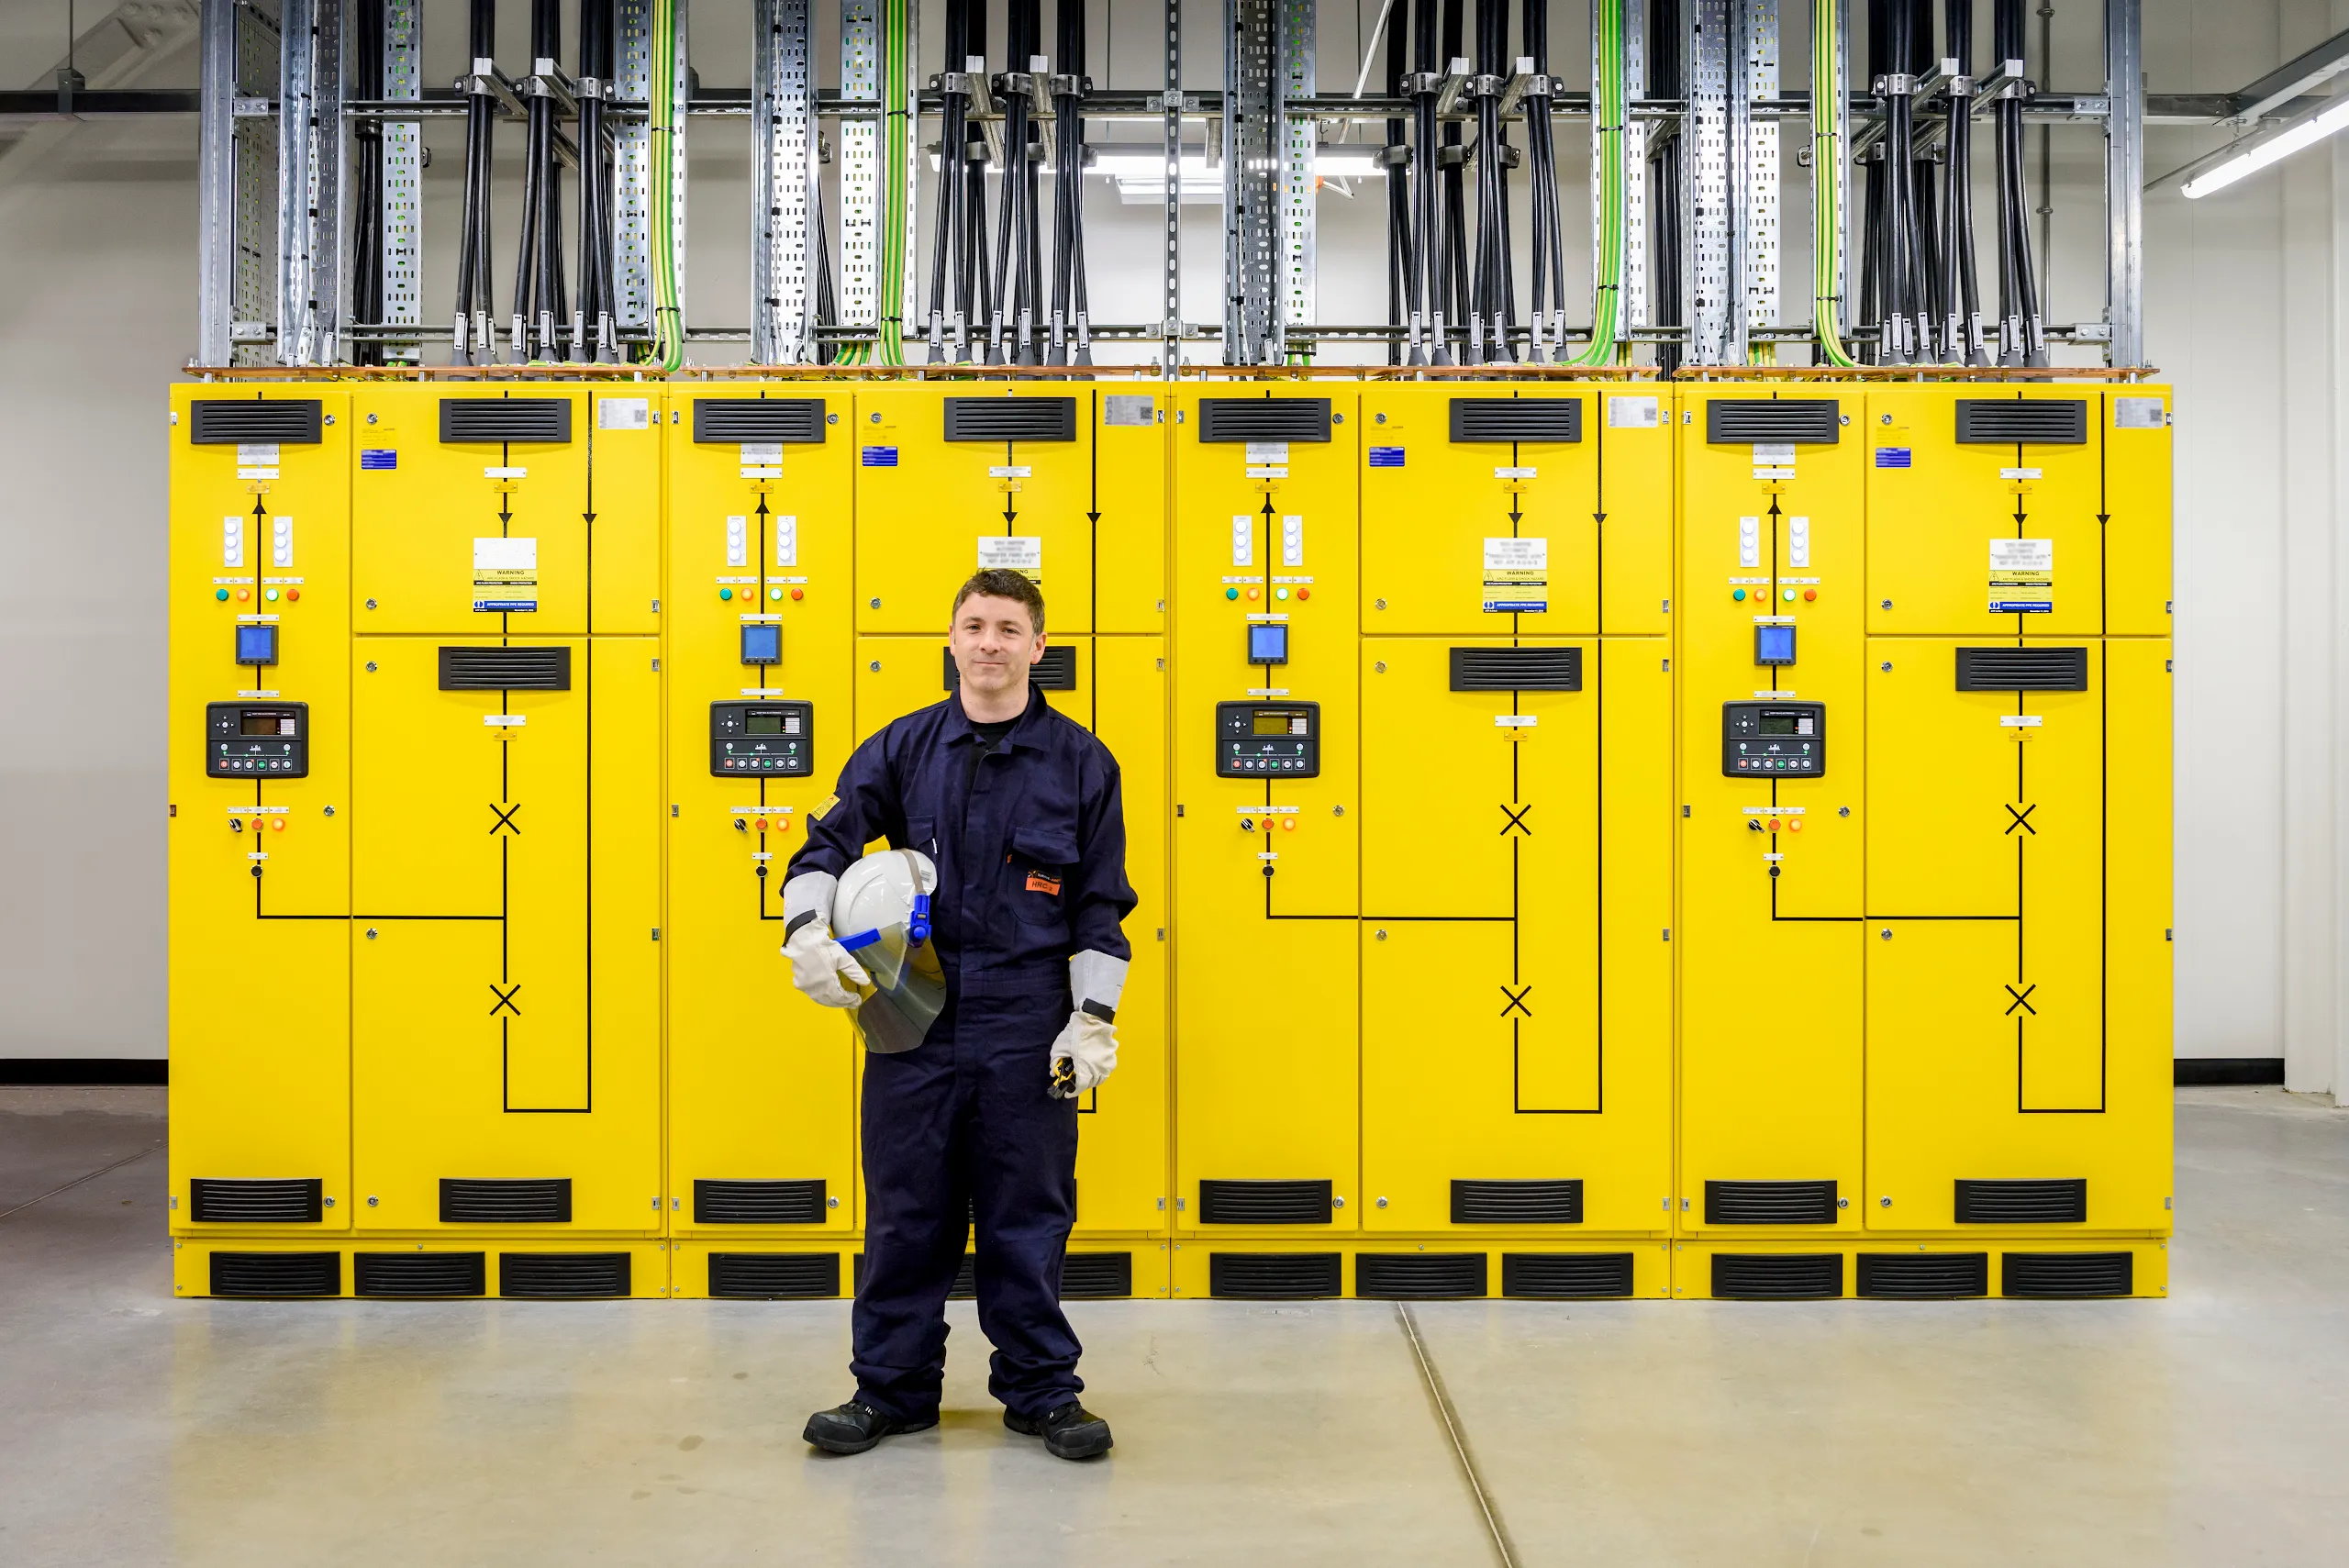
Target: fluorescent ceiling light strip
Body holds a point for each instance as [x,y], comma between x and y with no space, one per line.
[2308,133]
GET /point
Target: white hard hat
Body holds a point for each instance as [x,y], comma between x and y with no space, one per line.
[885,891]
[881,915]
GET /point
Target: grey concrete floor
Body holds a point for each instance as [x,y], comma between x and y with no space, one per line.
[2211,1427]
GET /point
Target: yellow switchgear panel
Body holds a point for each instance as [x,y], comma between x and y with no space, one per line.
[1266,672]
[1772,564]
[260,772]
[761,1085]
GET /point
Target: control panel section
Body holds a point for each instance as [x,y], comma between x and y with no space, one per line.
[774,739]
[244,740]
[1256,739]
[1780,738]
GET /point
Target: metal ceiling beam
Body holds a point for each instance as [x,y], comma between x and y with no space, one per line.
[2289,80]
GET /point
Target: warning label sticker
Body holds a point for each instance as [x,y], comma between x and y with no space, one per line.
[506,575]
[1517,576]
[2022,576]
[1012,553]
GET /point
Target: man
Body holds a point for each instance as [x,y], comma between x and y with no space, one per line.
[1018,808]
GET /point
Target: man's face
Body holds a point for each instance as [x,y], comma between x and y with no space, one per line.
[994,644]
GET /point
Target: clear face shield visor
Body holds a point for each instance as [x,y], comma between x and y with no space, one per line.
[881,915]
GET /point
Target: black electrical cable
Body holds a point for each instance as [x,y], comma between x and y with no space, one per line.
[1454,247]
[1665,43]
[1069,306]
[367,196]
[1965,307]
[951,143]
[1484,302]
[1424,292]
[1899,173]
[476,302]
[1926,247]
[1398,190]
[2021,337]
[599,283]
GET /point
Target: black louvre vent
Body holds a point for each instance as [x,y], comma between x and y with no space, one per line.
[1805,421]
[505,669]
[527,1202]
[758,1203]
[775,1276]
[1924,1276]
[2062,1200]
[1056,671]
[1769,1203]
[2022,669]
[1264,1203]
[1516,418]
[1777,1276]
[1011,419]
[1096,1276]
[562,1276]
[2004,422]
[719,420]
[1516,669]
[1264,418]
[1419,1276]
[298,1201]
[2065,1274]
[1566,1276]
[419,1274]
[224,422]
[1275,1276]
[1517,1203]
[490,420]
[277,1273]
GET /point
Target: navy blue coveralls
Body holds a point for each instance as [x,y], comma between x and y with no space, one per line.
[1031,849]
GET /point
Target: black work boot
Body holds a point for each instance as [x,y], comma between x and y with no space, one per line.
[1069,1430]
[854,1427]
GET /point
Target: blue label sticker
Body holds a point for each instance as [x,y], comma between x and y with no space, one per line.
[378,457]
[504,606]
[1892,457]
[880,457]
[1386,457]
[2020,607]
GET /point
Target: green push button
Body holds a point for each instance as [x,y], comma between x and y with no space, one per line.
[1280,592]
[1789,596]
[726,593]
[271,594]
[1739,594]
[1227,593]
[221,595]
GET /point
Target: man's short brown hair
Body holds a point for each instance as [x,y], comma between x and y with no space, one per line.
[1001,583]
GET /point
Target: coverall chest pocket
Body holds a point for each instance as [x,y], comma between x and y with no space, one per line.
[1038,874]
[921,833]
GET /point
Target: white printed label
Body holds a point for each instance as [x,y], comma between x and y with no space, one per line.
[2137,412]
[2019,473]
[623,413]
[762,452]
[1268,473]
[1015,553]
[1781,454]
[506,474]
[1774,696]
[1126,409]
[1516,720]
[257,454]
[1243,540]
[1773,811]
[505,720]
[506,575]
[1517,576]
[2022,576]
[1011,471]
[1267,451]
[2021,720]
[1631,414]
[1513,473]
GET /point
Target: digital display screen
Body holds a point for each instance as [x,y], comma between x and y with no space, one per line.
[265,721]
[759,723]
[762,645]
[1268,644]
[1773,645]
[256,645]
[1277,721]
[1785,723]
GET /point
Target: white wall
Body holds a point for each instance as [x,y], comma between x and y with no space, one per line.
[98,252]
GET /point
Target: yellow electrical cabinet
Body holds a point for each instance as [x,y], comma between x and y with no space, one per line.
[1771,757]
[259,842]
[1267,738]
[762,1150]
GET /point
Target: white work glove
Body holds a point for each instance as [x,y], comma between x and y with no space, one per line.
[818,964]
[1087,1050]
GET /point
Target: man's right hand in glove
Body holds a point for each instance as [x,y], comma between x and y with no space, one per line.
[820,967]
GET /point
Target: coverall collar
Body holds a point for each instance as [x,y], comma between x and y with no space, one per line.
[1023,731]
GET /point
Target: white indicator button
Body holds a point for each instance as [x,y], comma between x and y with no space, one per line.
[738,547]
